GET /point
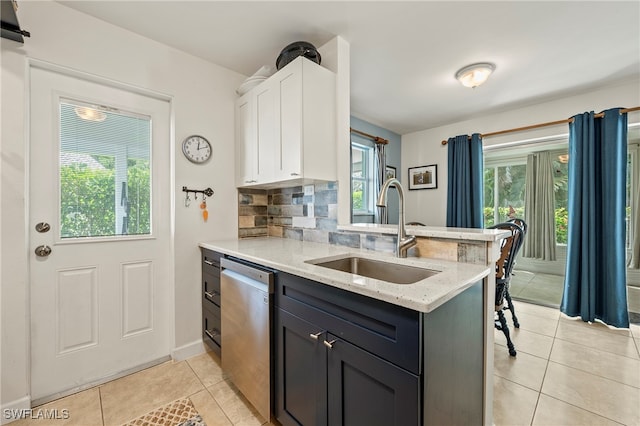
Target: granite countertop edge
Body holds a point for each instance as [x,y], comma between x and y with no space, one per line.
[291,256]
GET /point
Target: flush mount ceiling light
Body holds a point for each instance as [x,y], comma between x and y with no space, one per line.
[90,114]
[475,74]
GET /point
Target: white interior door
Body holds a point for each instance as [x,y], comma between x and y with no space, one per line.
[100,235]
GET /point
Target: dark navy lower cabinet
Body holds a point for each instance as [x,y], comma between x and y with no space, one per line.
[211,299]
[301,371]
[323,377]
[364,389]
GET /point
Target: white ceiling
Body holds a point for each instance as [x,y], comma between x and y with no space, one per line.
[404,54]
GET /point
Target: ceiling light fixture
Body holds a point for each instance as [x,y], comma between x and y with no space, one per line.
[475,74]
[90,114]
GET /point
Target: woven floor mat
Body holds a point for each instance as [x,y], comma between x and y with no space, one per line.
[177,413]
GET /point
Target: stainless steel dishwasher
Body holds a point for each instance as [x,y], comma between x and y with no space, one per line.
[246,291]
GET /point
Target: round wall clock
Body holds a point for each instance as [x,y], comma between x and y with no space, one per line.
[196,148]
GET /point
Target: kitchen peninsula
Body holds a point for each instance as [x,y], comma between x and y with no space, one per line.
[387,353]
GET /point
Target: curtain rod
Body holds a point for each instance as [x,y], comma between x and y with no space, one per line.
[376,139]
[548,123]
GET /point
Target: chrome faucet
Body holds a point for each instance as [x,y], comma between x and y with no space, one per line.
[404,242]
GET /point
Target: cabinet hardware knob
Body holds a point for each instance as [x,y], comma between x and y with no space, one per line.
[329,344]
[208,262]
[315,335]
[211,294]
[295,174]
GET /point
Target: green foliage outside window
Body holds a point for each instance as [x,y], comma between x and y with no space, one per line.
[356,197]
[88,204]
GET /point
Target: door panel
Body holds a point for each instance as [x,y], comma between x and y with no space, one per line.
[101,299]
[366,390]
[301,372]
[76,328]
[137,298]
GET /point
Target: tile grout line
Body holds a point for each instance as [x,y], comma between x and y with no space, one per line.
[101,408]
[581,408]
[206,389]
[546,368]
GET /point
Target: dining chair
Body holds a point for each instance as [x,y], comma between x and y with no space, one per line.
[509,248]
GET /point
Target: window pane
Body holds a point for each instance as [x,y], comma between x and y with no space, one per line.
[105,174]
[361,178]
[488,192]
[510,181]
[357,162]
[561,194]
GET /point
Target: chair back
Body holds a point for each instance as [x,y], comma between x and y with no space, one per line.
[521,223]
[509,249]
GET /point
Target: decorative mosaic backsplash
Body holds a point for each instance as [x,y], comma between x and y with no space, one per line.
[310,213]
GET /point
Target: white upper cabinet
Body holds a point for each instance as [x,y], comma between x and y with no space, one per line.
[246,143]
[286,127]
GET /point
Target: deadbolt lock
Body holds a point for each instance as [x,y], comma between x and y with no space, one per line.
[43,227]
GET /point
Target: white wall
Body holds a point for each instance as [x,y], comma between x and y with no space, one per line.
[202,97]
[422,148]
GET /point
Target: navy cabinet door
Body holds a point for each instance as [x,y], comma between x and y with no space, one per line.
[366,390]
[301,371]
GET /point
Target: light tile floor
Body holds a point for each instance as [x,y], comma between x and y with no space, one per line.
[544,289]
[567,372]
[199,378]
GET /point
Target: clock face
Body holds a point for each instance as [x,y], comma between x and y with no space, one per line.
[196,148]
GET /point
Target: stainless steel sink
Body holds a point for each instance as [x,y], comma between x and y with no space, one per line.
[377,269]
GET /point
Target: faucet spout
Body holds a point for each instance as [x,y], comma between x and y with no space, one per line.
[404,242]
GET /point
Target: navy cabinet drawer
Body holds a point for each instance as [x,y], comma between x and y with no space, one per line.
[391,332]
[211,326]
[211,288]
[210,262]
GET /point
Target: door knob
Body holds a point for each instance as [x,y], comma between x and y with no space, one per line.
[43,251]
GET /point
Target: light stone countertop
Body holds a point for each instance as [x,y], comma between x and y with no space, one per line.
[429,231]
[290,256]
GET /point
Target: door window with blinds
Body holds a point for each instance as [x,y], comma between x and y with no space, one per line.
[105,172]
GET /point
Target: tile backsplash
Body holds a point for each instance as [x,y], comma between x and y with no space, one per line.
[308,213]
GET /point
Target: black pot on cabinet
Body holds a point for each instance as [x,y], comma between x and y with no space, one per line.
[299,48]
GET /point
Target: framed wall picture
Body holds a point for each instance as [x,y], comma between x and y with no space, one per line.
[425,177]
[390,172]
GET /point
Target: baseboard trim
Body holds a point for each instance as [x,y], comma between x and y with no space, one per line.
[10,409]
[189,350]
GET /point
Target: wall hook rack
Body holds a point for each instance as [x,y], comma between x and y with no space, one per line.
[208,192]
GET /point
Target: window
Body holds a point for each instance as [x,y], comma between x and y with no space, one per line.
[504,187]
[504,192]
[105,172]
[362,179]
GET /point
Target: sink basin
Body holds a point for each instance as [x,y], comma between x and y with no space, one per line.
[377,269]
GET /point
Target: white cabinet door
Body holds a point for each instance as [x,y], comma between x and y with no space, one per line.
[266,131]
[289,158]
[246,144]
[286,127]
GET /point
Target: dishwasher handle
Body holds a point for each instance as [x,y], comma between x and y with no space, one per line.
[250,270]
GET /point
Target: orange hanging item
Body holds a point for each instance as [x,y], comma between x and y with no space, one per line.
[205,213]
